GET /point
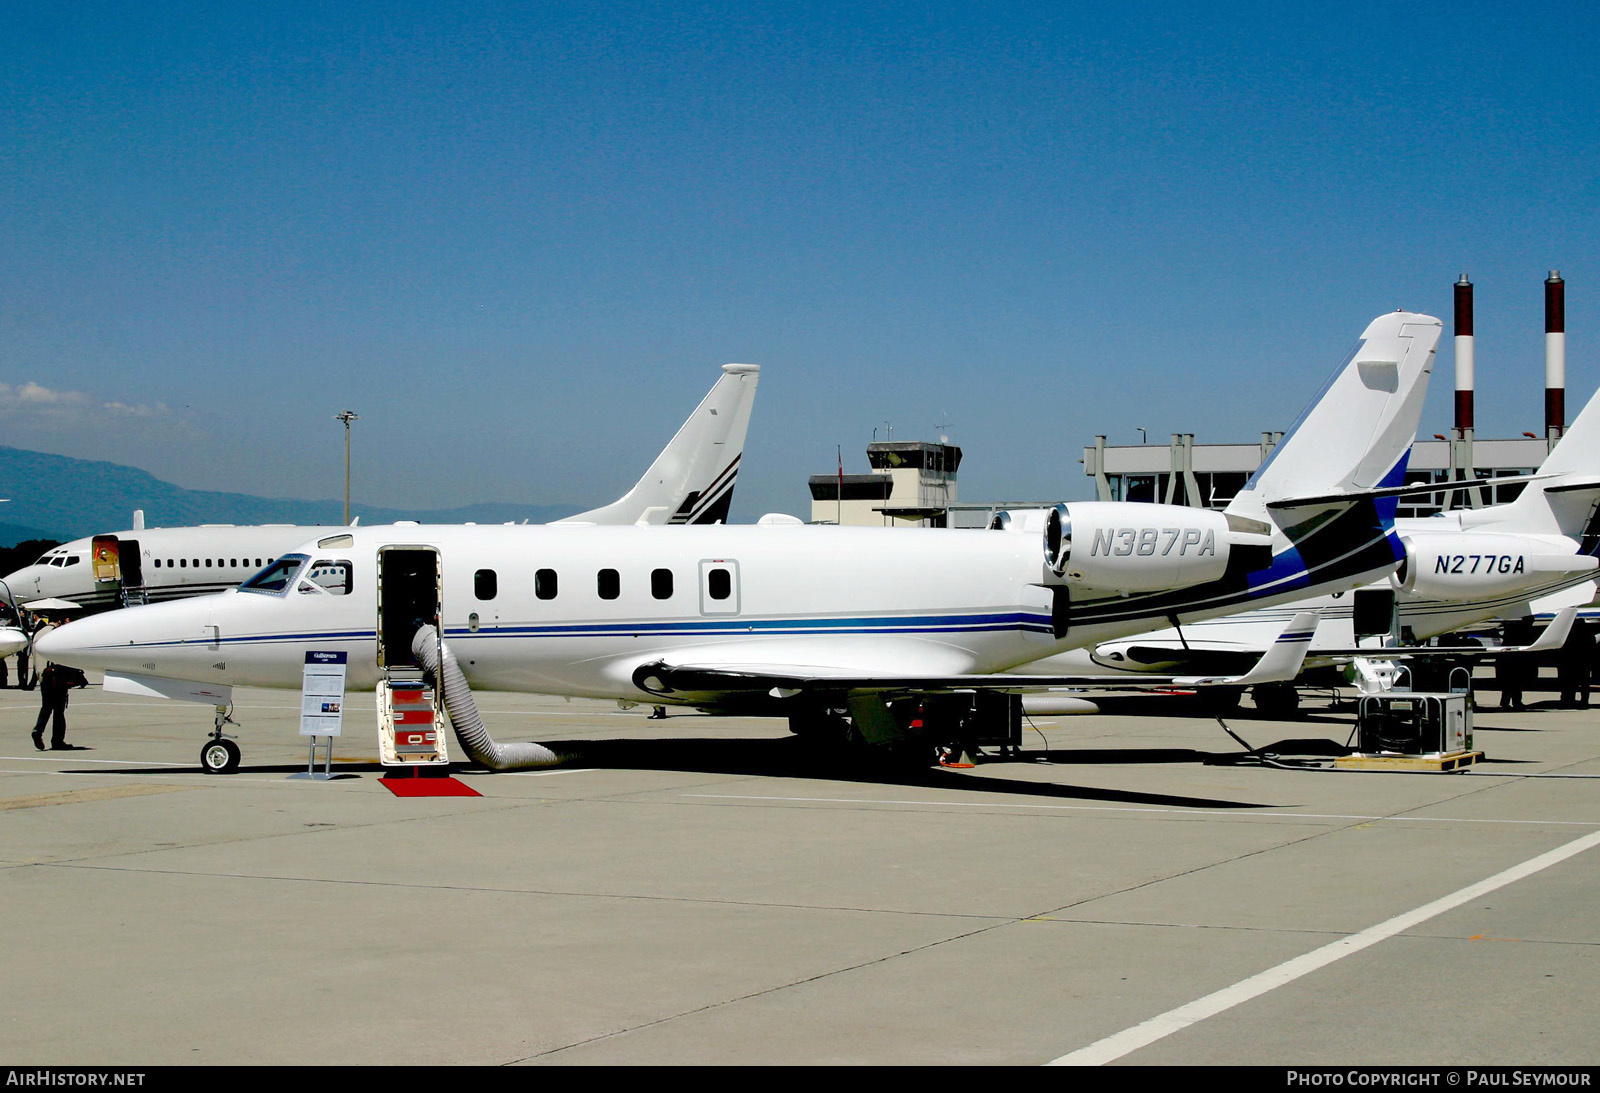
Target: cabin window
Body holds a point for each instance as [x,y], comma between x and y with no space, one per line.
[544,584]
[661,584]
[608,583]
[719,584]
[158,563]
[485,584]
[183,563]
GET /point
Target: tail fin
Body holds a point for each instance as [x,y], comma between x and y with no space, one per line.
[1565,503]
[1356,435]
[691,481]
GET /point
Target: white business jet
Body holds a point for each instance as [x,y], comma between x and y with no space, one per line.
[844,626]
[690,482]
[1533,555]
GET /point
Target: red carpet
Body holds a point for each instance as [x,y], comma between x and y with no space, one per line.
[407,786]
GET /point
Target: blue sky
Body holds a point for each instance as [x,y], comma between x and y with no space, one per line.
[519,240]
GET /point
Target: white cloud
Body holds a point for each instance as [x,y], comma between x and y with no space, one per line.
[36,402]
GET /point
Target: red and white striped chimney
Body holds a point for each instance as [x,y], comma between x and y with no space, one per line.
[1464,381]
[1555,355]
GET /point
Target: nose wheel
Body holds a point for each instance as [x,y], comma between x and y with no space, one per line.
[219,754]
[219,757]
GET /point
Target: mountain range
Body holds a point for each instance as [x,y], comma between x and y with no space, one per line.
[57,497]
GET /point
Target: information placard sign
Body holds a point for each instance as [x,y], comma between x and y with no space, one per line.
[322,694]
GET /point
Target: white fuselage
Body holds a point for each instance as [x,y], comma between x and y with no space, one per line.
[174,562]
[576,610]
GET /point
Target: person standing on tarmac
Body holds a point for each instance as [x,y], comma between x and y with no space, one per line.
[54,683]
[1574,665]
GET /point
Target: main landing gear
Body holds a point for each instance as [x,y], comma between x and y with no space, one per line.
[220,755]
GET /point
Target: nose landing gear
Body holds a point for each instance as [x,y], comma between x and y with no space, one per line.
[220,755]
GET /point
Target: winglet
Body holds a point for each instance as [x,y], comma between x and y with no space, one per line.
[1279,664]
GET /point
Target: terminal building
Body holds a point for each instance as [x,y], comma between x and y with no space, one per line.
[1208,475]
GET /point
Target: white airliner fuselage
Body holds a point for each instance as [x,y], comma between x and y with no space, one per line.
[176,562]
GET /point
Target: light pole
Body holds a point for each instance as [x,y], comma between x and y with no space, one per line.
[347,416]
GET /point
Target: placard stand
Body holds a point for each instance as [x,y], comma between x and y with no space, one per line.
[322,710]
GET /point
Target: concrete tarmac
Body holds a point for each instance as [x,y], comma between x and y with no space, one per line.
[708,890]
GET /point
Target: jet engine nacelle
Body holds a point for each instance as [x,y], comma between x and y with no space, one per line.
[1030,521]
[1122,546]
[1471,565]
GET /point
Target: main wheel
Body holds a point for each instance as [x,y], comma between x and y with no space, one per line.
[219,757]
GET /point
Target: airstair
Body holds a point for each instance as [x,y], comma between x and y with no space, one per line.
[408,720]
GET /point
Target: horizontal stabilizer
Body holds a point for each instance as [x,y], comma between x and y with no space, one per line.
[1415,489]
[1589,485]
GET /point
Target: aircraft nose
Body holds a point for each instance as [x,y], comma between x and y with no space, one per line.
[66,644]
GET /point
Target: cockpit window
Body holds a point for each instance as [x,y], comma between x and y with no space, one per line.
[277,577]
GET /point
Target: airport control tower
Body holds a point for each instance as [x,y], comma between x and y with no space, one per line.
[912,484]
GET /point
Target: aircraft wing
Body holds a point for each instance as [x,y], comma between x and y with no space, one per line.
[707,682]
[1552,637]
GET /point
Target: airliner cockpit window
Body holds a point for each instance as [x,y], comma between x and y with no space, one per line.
[332,577]
[277,577]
